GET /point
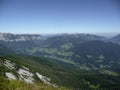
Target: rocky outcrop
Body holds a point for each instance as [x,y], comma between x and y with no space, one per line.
[20,72]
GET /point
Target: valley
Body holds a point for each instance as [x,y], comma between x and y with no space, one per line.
[71,61]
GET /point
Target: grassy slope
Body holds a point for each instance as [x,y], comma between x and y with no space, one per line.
[66,76]
[5,84]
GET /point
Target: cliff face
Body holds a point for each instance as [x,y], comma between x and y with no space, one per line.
[8,37]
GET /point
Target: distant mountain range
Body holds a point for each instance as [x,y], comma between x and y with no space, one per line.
[8,37]
[81,50]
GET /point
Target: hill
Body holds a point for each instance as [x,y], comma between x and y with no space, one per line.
[85,51]
[24,68]
[116,39]
[4,50]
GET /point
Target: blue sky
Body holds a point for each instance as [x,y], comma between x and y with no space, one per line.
[59,16]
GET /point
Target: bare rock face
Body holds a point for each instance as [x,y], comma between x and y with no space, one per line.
[10,76]
[9,64]
[8,37]
[25,75]
[43,78]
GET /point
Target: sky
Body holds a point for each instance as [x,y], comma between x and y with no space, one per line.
[59,16]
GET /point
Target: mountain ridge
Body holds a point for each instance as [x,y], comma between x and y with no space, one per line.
[8,37]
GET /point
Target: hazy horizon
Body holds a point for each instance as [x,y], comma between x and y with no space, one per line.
[108,34]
